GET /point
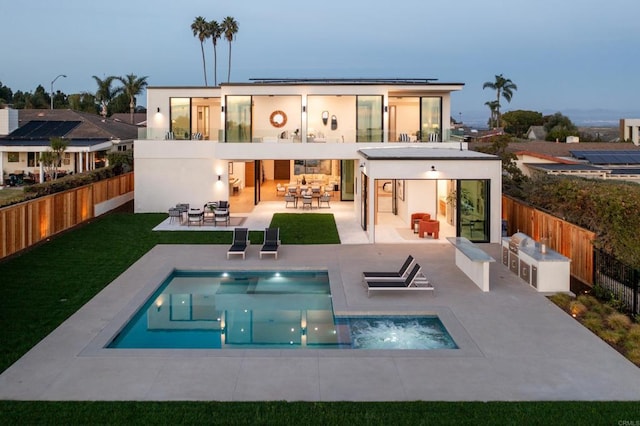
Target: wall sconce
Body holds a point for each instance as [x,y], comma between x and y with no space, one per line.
[222,108]
[433,168]
[158,109]
[362,165]
[386,108]
[304,108]
[219,177]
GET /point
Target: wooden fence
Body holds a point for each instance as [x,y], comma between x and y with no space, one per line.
[572,241]
[25,224]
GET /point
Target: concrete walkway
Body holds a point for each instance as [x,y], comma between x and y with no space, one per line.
[514,343]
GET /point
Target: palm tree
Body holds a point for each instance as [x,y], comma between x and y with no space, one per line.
[105,93]
[200,29]
[215,32]
[229,28]
[132,87]
[494,106]
[504,87]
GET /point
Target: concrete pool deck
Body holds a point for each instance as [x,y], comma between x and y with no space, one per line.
[515,344]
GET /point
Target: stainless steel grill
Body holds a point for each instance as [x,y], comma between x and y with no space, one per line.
[519,240]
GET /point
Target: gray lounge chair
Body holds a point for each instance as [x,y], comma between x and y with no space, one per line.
[271,242]
[414,281]
[383,276]
[240,242]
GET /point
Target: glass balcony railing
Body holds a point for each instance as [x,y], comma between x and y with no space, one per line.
[271,135]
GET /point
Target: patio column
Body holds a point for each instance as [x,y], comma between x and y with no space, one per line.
[2,155]
[41,168]
[80,165]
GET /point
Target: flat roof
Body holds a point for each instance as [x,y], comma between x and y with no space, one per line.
[423,153]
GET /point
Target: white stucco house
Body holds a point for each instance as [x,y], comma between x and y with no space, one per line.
[354,135]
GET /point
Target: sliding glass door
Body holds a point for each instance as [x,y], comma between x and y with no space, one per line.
[472,200]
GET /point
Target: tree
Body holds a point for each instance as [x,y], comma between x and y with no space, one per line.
[85,102]
[39,100]
[215,33]
[200,29]
[6,95]
[132,87]
[558,127]
[518,122]
[493,106]
[52,158]
[229,28]
[105,93]
[504,87]
[512,177]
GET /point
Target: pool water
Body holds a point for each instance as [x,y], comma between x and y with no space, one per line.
[265,309]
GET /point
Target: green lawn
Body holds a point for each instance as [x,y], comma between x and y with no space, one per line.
[44,286]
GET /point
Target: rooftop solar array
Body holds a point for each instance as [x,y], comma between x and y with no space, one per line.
[608,157]
[43,129]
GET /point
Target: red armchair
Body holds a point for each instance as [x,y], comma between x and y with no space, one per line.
[422,216]
[429,227]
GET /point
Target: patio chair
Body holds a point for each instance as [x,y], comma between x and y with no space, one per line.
[289,198]
[240,242]
[324,198]
[280,190]
[306,201]
[175,213]
[414,281]
[271,242]
[392,275]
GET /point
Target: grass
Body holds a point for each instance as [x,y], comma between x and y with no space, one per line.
[44,286]
[320,413]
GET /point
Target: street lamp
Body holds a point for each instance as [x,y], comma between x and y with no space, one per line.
[53,81]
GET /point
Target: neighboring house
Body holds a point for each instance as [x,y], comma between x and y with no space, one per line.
[600,160]
[139,118]
[536,133]
[630,130]
[90,138]
[352,135]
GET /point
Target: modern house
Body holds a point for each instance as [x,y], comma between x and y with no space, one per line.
[630,130]
[378,143]
[25,134]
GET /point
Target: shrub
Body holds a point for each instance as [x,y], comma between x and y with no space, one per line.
[634,356]
[594,322]
[562,300]
[577,309]
[633,335]
[618,321]
[588,300]
[611,336]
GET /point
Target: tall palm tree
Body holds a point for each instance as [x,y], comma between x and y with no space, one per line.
[504,87]
[215,32]
[132,86]
[494,106]
[105,92]
[200,29]
[229,28]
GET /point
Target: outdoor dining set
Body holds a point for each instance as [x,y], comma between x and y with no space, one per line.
[216,212]
[304,196]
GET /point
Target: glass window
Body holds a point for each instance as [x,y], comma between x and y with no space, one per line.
[431,121]
[180,118]
[238,119]
[473,209]
[31,159]
[369,118]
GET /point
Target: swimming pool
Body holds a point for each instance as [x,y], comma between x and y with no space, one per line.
[265,309]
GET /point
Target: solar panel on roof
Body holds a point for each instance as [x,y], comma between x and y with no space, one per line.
[38,129]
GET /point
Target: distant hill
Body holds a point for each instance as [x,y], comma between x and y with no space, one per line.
[580,117]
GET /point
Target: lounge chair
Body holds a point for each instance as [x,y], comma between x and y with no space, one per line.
[271,242]
[414,281]
[385,276]
[240,242]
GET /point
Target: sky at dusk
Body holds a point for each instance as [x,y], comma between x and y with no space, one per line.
[576,57]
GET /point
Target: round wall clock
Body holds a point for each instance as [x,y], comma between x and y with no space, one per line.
[278,118]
